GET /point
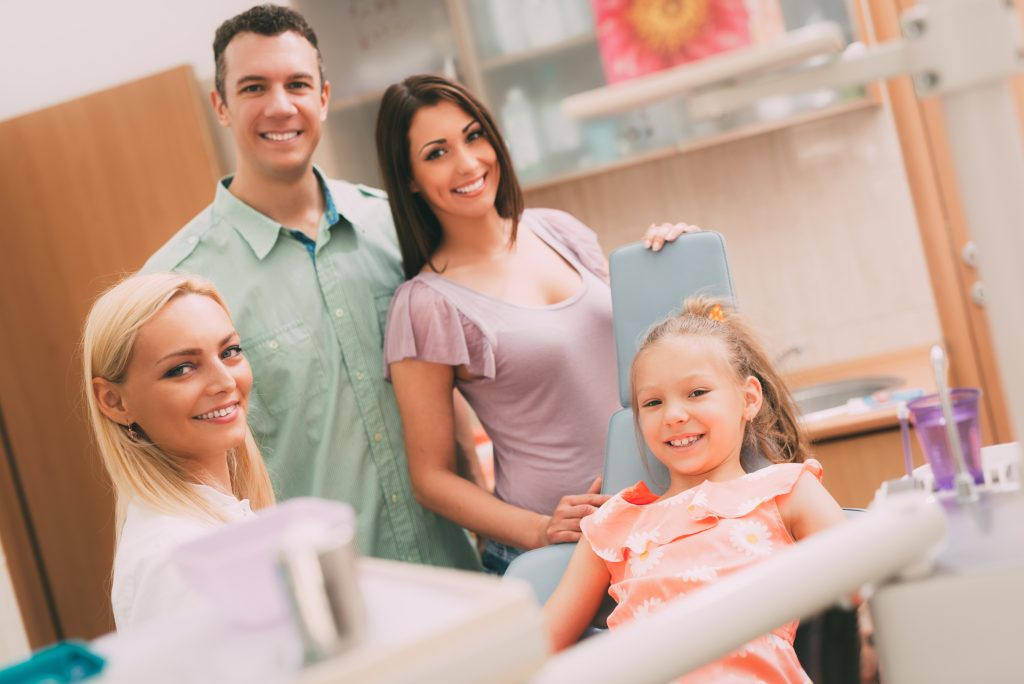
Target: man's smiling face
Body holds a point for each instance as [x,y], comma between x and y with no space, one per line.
[273,102]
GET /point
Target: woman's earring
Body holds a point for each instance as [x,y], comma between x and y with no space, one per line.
[132,434]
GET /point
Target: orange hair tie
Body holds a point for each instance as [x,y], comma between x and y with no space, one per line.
[716,313]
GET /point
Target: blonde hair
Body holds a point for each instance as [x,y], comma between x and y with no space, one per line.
[138,468]
[775,431]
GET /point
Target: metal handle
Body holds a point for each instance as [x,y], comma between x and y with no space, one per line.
[978,293]
[321,581]
[970,254]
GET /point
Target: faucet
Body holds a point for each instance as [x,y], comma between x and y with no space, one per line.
[787,353]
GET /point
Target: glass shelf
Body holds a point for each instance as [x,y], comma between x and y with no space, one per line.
[524,85]
[586,40]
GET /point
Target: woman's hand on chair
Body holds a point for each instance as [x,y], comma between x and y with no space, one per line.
[564,523]
[660,233]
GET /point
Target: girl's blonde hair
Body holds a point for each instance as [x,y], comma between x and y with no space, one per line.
[774,432]
[138,468]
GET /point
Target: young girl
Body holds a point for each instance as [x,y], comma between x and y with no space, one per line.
[509,306]
[702,386]
[167,388]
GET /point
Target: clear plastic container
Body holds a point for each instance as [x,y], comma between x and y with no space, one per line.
[236,569]
[930,426]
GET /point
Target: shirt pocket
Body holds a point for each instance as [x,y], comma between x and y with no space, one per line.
[286,371]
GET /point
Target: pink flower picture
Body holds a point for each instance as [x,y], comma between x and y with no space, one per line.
[637,37]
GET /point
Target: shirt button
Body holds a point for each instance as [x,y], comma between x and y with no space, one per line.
[338,313]
[359,375]
[272,344]
[394,498]
[377,437]
[192,239]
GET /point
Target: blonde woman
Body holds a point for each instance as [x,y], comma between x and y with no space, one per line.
[167,387]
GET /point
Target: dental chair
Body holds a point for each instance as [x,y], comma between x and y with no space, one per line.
[646,287]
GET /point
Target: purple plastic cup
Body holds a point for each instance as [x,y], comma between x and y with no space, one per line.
[926,415]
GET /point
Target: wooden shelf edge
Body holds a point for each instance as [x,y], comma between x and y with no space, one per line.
[687,146]
[502,61]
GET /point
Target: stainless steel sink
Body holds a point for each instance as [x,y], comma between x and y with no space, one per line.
[825,395]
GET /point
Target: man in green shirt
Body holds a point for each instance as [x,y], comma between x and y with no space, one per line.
[307,266]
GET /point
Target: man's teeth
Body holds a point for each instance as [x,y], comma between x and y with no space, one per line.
[219,413]
[472,187]
[281,137]
[686,441]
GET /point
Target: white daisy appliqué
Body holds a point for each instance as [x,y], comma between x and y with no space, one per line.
[637,541]
[647,607]
[699,573]
[776,642]
[751,537]
[680,499]
[602,513]
[749,505]
[698,508]
[642,563]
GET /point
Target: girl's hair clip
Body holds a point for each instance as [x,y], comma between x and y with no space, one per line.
[716,313]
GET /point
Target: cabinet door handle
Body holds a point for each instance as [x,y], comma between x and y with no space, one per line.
[978,293]
[970,254]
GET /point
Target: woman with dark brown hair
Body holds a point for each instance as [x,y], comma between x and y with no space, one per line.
[510,306]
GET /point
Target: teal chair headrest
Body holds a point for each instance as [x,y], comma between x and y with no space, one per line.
[647,286]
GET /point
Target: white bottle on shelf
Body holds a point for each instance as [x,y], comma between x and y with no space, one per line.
[543,22]
[521,133]
[561,134]
[508,23]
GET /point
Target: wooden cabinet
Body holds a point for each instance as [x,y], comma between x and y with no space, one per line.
[944,232]
[90,189]
[856,465]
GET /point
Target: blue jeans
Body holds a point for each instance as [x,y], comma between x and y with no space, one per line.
[497,556]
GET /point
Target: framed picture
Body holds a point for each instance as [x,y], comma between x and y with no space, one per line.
[638,37]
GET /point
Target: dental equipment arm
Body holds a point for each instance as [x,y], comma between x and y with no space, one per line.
[794,47]
[798,582]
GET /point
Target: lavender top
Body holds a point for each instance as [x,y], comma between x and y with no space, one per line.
[544,381]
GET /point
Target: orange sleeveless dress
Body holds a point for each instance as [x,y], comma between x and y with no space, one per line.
[657,551]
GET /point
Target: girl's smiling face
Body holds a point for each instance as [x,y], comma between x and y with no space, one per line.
[187,383]
[454,166]
[692,409]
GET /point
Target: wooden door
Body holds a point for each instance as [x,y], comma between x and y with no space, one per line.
[89,189]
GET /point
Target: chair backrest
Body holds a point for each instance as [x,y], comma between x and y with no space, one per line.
[646,287]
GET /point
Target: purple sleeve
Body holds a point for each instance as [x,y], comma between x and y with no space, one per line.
[576,236]
[425,325]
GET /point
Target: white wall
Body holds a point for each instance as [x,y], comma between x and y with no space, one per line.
[13,644]
[57,50]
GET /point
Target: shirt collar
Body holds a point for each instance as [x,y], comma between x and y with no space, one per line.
[226,504]
[259,230]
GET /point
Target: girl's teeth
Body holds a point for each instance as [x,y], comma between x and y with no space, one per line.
[280,137]
[472,187]
[684,442]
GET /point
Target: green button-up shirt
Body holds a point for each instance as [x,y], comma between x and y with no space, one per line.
[311,317]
